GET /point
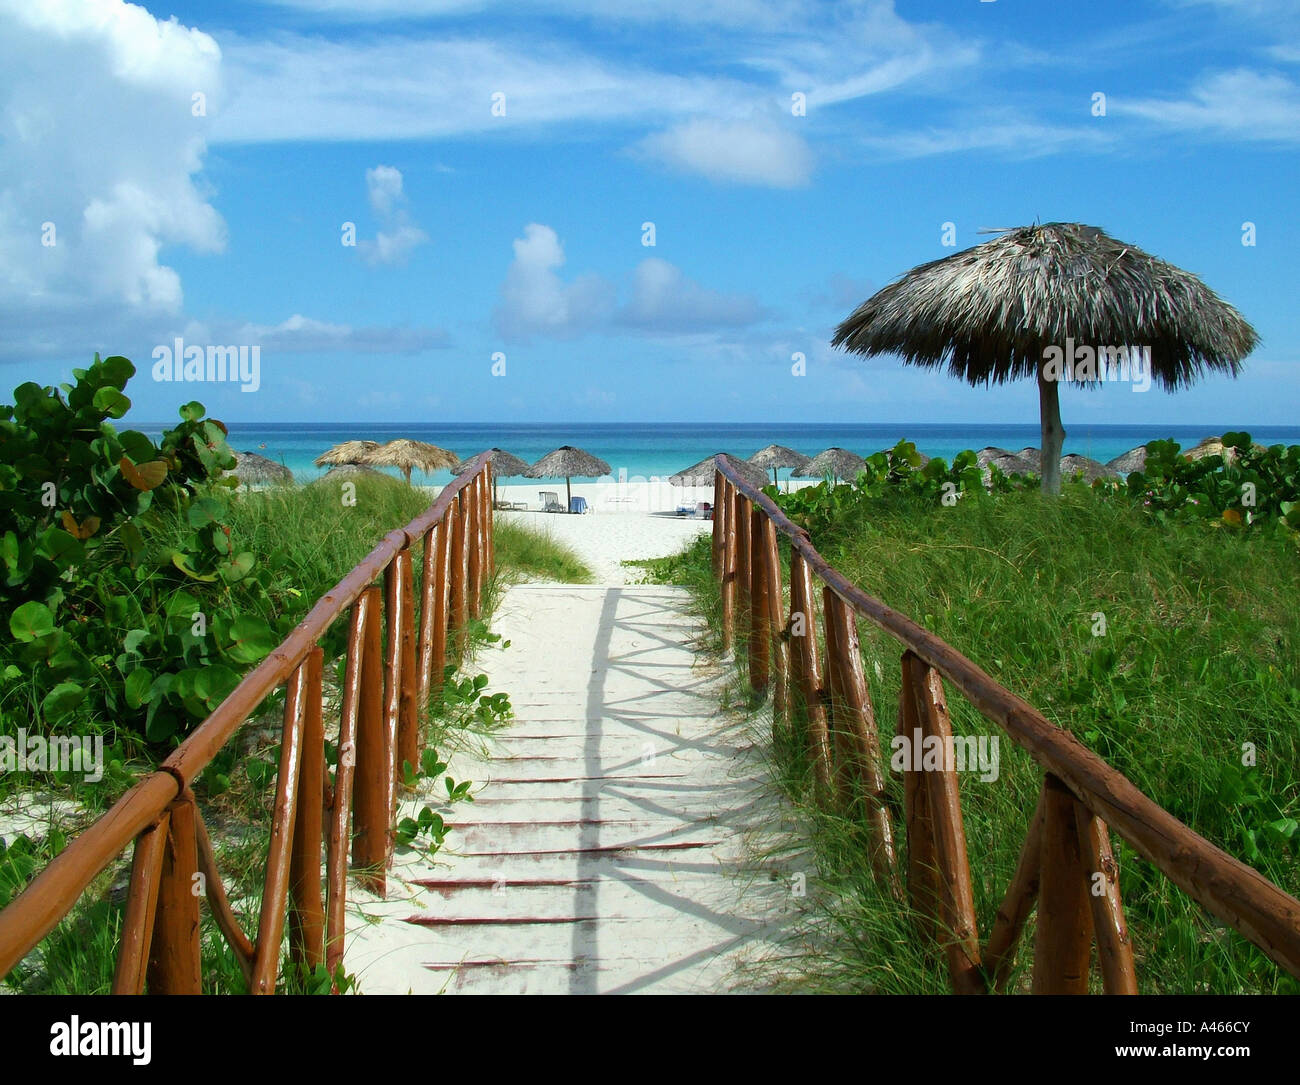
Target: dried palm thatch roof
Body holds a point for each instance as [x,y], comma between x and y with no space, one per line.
[774,456]
[988,312]
[1032,456]
[345,471]
[1135,459]
[833,462]
[254,470]
[1090,469]
[408,455]
[347,452]
[504,465]
[568,462]
[1009,463]
[702,473]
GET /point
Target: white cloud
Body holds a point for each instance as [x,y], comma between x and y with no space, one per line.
[394,243]
[1240,104]
[664,300]
[746,152]
[536,301]
[301,334]
[100,140]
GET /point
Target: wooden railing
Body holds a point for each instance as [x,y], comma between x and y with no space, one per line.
[383,695]
[1066,867]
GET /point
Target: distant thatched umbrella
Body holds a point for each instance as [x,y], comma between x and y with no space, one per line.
[775,456]
[254,470]
[1090,469]
[702,473]
[408,454]
[345,471]
[993,312]
[1009,463]
[567,462]
[347,452]
[837,463]
[1135,459]
[1032,457]
[504,465]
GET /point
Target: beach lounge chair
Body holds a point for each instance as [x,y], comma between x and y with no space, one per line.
[550,501]
[704,511]
[578,504]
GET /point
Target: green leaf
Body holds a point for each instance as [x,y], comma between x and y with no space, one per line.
[111,402]
[61,700]
[204,511]
[31,620]
[183,563]
[252,639]
[192,411]
[138,687]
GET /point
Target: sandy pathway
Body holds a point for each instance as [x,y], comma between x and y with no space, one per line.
[605,852]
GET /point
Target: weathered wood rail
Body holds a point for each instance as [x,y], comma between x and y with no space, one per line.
[383,695]
[1067,845]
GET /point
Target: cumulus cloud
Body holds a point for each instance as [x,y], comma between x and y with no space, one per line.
[664,300]
[301,334]
[536,301]
[101,148]
[746,152]
[1239,104]
[400,234]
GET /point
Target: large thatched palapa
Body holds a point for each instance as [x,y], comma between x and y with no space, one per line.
[776,456]
[991,313]
[349,452]
[254,470]
[703,473]
[567,462]
[834,463]
[504,465]
[406,454]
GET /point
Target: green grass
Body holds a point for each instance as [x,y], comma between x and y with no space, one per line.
[319,539]
[1199,662]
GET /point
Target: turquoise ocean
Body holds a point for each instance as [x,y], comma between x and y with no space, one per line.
[649,449]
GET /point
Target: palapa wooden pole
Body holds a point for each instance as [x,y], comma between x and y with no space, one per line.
[1114,946]
[760,610]
[1016,906]
[344,776]
[923,891]
[961,936]
[780,670]
[1063,937]
[727,507]
[174,964]
[428,594]
[475,547]
[805,671]
[374,768]
[275,892]
[408,705]
[856,720]
[141,909]
[306,909]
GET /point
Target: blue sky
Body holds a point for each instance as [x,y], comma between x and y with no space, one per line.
[522,233]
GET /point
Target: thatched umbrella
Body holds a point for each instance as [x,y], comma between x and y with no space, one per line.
[567,462]
[775,456]
[1135,459]
[345,453]
[702,473]
[408,454]
[345,471]
[993,312]
[1090,469]
[254,470]
[503,465]
[836,463]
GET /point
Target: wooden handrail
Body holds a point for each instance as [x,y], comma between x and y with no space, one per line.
[55,890]
[1235,893]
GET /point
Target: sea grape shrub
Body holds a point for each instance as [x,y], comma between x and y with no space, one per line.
[116,618]
[1255,484]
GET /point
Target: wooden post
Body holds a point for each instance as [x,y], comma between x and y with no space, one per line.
[807,670]
[406,747]
[374,768]
[306,910]
[340,813]
[458,572]
[1114,947]
[474,546]
[1063,939]
[174,964]
[1016,906]
[141,910]
[922,866]
[275,890]
[719,525]
[760,611]
[489,521]
[856,720]
[957,900]
[743,557]
[727,507]
[428,594]
[775,620]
